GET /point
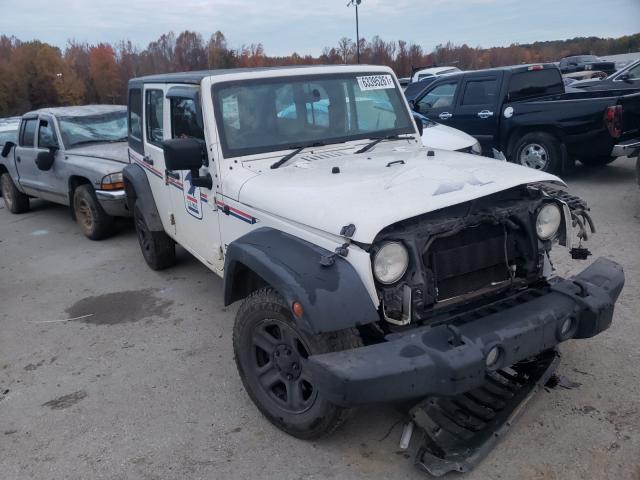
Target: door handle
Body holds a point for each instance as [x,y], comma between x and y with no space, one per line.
[445,116]
[485,114]
[18,159]
[147,159]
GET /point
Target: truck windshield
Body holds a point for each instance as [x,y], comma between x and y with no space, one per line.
[105,127]
[266,115]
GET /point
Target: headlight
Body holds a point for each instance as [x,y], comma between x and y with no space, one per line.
[113,181]
[390,262]
[548,221]
[476,149]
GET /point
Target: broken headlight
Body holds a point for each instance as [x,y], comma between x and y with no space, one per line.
[548,221]
[390,262]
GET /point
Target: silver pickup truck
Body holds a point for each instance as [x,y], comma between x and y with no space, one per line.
[72,156]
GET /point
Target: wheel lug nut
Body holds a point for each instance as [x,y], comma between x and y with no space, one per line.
[289,377]
[295,366]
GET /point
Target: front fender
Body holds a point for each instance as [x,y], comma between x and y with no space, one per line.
[333,298]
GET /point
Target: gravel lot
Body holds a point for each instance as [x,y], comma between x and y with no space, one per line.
[146,387]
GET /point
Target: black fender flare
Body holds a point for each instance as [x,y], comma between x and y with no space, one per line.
[333,297]
[138,190]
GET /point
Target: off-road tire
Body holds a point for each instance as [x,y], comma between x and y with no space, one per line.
[265,309]
[597,161]
[158,248]
[93,221]
[533,144]
[14,199]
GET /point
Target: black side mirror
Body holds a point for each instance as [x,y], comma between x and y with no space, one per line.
[413,105]
[7,148]
[183,154]
[418,121]
[187,154]
[626,78]
[44,159]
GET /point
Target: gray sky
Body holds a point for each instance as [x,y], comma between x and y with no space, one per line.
[306,26]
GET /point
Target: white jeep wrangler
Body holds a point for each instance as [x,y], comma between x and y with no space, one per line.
[370,268]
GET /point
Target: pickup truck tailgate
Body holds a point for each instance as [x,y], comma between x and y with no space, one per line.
[631,116]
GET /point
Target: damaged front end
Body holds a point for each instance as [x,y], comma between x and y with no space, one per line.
[471,316]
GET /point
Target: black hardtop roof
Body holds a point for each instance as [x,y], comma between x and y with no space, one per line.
[196,77]
[510,68]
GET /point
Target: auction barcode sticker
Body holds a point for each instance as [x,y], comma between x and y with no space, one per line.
[375,82]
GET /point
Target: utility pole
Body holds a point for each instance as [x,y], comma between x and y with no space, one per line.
[356,3]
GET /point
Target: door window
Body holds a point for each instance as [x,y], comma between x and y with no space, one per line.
[135,114]
[46,135]
[154,116]
[184,119]
[634,73]
[480,92]
[28,132]
[440,97]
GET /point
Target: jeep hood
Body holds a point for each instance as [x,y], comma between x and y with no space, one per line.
[117,151]
[372,193]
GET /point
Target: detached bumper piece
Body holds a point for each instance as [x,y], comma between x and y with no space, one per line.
[453,358]
[460,431]
[630,148]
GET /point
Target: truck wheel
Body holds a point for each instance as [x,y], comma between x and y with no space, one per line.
[93,220]
[14,199]
[538,150]
[597,161]
[271,353]
[158,248]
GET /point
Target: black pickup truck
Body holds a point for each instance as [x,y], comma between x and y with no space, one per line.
[525,113]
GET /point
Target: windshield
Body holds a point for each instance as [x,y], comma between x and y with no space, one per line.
[266,115]
[106,127]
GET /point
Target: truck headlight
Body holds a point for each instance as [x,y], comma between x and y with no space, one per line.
[390,262]
[476,149]
[113,181]
[548,221]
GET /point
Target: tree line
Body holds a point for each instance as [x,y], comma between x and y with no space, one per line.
[35,74]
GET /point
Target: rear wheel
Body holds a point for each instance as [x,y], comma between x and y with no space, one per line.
[158,249]
[597,161]
[14,199]
[91,217]
[538,150]
[271,354]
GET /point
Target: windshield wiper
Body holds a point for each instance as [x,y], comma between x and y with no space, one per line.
[297,150]
[377,140]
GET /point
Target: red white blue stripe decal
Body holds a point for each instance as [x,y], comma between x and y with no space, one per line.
[234,212]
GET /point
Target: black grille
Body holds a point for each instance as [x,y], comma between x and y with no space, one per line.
[471,260]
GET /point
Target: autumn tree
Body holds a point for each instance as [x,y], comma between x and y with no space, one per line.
[103,70]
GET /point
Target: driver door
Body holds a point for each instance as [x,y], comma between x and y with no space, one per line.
[53,182]
[194,208]
[439,101]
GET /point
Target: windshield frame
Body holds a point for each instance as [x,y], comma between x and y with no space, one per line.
[248,151]
[60,119]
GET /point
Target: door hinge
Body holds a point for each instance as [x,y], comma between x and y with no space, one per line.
[172,219]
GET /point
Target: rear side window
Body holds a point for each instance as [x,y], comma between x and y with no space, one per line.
[480,92]
[28,132]
[184,119]
[535,83]
[135,114]
[154,116]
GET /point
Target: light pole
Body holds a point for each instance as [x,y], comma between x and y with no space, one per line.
[356,3]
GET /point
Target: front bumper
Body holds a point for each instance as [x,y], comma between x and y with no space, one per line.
[629,148]
[448,360]
[114,202]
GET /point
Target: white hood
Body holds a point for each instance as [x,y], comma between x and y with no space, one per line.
[446,138]
[372,195]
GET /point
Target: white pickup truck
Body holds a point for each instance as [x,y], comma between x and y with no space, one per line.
[370,268]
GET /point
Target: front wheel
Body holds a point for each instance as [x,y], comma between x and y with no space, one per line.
[14,199]
[271,354]
[538,150]
[94,222]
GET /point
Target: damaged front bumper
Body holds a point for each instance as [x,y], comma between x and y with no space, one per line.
[451,359]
